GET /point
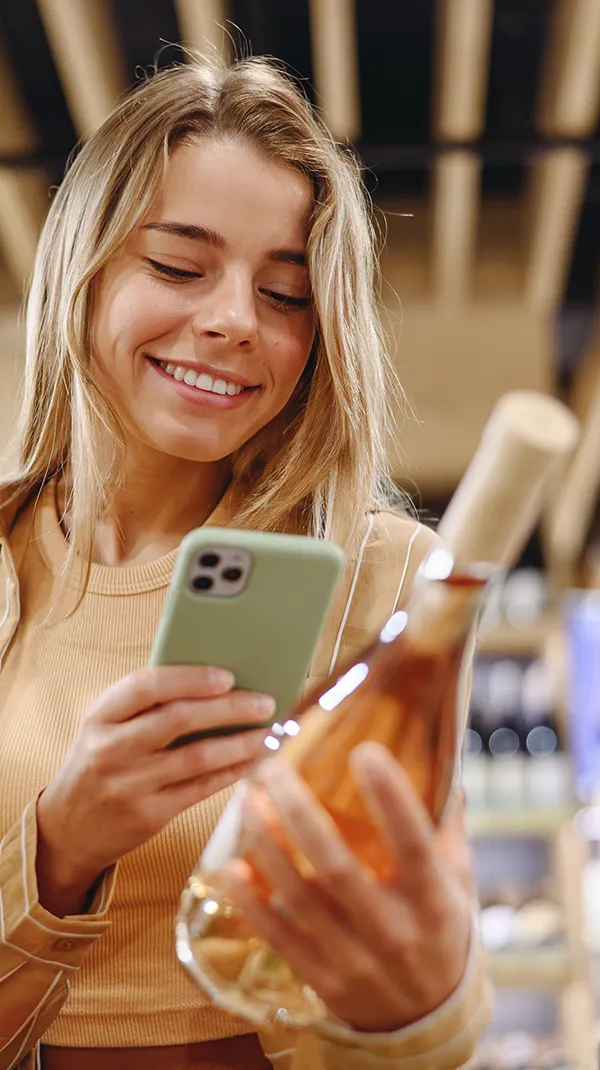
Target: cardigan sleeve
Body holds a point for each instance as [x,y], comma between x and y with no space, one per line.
[39,953]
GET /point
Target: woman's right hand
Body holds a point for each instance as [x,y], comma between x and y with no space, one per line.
[121,783]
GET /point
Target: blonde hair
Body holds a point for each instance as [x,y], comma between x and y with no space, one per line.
[324,458]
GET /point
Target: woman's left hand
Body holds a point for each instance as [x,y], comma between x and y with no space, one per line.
[379,955]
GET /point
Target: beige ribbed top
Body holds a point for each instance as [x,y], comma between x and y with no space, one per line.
[51,674]
[127,988]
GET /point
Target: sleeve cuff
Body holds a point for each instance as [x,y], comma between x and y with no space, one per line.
[26,925]
[445,1038]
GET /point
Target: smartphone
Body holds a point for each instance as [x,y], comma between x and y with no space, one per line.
[252,602]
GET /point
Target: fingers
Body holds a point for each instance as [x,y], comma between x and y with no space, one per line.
[365,903]
[192,792]
[276,930]
[405,826]
[207,756]
[343,974]
[158,685]
[170,722]
[302,899]
[311,829]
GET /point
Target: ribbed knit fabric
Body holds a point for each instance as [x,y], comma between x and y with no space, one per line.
[127,989]
[51,674]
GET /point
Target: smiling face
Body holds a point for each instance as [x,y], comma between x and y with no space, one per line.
[203,323]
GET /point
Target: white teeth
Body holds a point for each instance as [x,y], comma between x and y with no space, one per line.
[202,381]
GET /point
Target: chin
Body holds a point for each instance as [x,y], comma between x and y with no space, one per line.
[188,447]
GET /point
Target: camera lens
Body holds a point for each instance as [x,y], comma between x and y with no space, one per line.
[202,583]
[232,574]
[209,560]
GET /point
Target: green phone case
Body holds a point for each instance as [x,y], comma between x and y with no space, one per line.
[267,633]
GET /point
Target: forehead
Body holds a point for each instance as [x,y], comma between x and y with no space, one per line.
[231,187]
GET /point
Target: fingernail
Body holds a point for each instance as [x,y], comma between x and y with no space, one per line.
[264,705]
[222,679]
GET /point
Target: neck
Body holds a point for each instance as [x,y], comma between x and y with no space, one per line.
[157,504]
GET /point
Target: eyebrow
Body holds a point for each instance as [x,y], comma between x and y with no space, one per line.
[210,237]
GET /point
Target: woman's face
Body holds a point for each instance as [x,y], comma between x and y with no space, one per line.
[203,324]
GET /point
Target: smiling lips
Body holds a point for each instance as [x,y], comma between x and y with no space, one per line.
[201,380]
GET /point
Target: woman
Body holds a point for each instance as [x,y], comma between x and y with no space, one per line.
[203,348]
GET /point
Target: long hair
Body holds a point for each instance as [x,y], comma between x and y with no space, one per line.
[323,459]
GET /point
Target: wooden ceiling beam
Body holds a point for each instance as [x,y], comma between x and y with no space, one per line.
[86,51]
[552,208]
[455,215]
[463,37]
[23,205]
[575,500]
[23,192]
[335,63]
[203,25]
[570,84]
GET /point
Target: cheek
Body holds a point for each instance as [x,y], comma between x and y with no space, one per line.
[291,353]
[128,317]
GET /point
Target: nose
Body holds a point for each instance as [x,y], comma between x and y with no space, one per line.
[228,312]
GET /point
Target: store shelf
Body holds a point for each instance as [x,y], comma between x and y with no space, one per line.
[549,968]
[516,822]
[525,642]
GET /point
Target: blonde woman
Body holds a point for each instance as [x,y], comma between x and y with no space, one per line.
[203,348]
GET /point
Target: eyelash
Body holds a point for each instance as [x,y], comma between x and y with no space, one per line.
[179,275]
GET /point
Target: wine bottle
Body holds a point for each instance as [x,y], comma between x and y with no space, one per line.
[547,774]
[404,690]
[506,742]
[475,761]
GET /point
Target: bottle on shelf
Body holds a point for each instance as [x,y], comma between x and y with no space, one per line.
[475,758]
[547,769]
[504,736]
[525,597]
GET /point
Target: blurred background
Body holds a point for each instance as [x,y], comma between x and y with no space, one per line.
[477,124]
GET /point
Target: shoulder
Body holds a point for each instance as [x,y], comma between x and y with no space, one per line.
[397,546]
[399,534]
[377,581]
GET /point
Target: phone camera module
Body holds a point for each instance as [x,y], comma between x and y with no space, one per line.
[232,575]
[202,583]
[209,560]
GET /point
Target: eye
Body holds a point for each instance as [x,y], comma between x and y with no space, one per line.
[172,272]
[285,302]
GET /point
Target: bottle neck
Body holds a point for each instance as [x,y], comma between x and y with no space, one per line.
[442,613]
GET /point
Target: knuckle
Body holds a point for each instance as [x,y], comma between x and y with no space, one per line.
[333,989]
[336,873]
[100,754]
[143,685]
[194,760]
[363,977]
[247,746]
[183,717]
[403,942]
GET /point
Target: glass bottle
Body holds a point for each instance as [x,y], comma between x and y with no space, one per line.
[405,691]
